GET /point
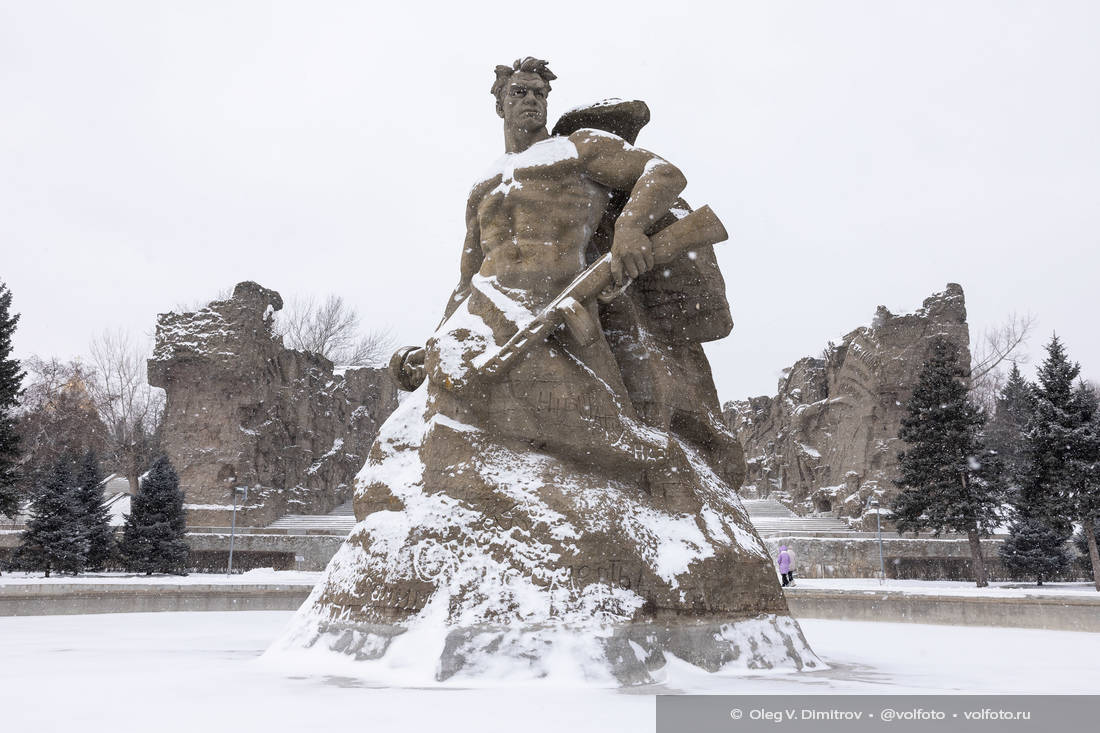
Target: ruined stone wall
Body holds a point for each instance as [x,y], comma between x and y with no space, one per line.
[243,410]
[828,440]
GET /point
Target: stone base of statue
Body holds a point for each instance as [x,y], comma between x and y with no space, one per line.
[501,560]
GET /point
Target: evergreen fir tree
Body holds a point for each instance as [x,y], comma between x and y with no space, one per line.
[1084,470]
[153,537]
[11,379]
[1007,428]
[1046,500]
[97,517]
[1046,478]
[1034,549]
[949,480]
[56,538]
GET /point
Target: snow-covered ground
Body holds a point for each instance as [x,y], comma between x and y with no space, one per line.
[202,672]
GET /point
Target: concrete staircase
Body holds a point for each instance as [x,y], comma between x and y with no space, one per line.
[340,519]
[771,518]
[344,510]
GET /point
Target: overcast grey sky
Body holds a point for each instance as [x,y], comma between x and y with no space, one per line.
[860,153]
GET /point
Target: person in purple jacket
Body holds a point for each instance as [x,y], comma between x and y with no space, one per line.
[785,566]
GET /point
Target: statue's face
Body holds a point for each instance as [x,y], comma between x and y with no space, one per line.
[525,101]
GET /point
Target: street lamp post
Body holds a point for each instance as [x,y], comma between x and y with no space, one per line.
[878,523]
[233,526]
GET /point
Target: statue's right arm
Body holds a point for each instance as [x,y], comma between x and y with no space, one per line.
[471,255]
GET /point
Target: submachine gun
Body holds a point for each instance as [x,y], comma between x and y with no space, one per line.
[698,229]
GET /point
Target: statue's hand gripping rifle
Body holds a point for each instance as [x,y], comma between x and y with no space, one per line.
[697,229]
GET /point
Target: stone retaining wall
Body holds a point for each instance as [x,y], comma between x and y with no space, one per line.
[75,598]
[858,557]
[1074,613]
[251,549]
[814,557]
[1065,614]
[314,549]
[905,558]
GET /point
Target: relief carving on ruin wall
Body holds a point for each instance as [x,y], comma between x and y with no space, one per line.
[828,440]
[243,410]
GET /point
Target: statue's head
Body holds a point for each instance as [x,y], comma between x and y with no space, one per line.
[521,90]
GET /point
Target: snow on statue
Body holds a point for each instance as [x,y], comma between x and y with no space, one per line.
[558,496]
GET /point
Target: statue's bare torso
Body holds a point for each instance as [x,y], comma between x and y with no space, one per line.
[535,217]
[530,219]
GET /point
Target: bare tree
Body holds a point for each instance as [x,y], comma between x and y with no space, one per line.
[57,417]
[999,344]
[332,329]
[372,349]
[128,406]
[48,378]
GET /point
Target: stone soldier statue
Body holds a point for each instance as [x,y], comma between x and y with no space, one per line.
[534,222]
[560,482]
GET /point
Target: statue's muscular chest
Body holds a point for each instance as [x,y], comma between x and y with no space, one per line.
[541,193]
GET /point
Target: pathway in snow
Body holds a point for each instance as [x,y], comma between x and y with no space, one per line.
[199,671]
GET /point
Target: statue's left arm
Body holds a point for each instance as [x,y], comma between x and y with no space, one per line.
[653,183]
